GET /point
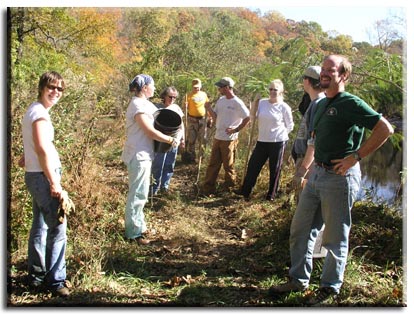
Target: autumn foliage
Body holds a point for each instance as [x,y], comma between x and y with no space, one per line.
[212,253]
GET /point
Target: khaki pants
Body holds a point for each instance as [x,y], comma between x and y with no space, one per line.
[196,130]
[222,152]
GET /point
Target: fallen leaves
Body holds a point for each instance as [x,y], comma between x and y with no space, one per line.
[175,281]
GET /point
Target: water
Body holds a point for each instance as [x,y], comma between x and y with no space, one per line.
[381,176]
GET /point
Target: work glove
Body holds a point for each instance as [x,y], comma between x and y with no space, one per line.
[65,207]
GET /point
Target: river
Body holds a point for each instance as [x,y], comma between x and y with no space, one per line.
[381,176]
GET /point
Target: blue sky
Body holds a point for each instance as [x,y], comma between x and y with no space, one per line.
[349,17]
[353,21]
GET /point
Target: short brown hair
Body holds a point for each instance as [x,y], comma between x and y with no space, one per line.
[345,66]
[168,90]
[47,78]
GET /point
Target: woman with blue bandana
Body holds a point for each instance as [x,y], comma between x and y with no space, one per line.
[138,154]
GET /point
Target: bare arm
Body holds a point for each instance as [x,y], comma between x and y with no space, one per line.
[146,124]
[380,133]
[43,149]
[210,111]
[299,178]
[244,122]
[309,156]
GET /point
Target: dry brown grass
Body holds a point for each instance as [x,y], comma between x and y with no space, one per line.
[219,251]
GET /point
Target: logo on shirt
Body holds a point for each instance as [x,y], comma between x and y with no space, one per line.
[332,112]
[198,98]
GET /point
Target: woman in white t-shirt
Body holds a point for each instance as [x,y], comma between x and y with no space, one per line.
[138,153]
[47,240]
[163,164]
[275,122]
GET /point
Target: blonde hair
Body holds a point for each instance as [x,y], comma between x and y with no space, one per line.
[279,86]
[278,83]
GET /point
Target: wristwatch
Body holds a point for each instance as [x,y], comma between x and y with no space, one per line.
[356,156]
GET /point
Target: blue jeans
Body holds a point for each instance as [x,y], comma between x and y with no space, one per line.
[326,199]
[163,169]
[47,240]
[139,174]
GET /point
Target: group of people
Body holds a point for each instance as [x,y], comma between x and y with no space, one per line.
[327,151]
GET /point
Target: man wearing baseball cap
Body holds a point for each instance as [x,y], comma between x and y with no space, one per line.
[231,115]
[196,117]
[303,144]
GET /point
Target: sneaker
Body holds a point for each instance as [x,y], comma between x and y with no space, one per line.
[35,283]
[287,287]
[62,292]
[323,296]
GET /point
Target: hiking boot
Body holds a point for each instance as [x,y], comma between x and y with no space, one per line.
[240,194]
[62,292]
[287,287]
[324,296]
[142,241]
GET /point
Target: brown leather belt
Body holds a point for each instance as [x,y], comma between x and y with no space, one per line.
[197,118]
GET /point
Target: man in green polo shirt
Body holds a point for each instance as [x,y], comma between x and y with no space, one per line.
[333,185]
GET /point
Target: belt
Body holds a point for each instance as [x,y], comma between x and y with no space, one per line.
[198,118]
[322,165]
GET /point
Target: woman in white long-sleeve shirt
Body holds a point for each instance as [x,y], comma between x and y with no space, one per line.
[275,122]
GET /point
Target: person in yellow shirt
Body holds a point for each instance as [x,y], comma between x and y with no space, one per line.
[196,118]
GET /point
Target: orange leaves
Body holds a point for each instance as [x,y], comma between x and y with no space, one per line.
[397,293]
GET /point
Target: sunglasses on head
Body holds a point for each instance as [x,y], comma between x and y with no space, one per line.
[53,87]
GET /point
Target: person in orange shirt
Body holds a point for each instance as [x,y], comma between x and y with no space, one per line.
[197,117]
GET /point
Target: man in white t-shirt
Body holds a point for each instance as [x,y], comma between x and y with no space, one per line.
[230,115]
